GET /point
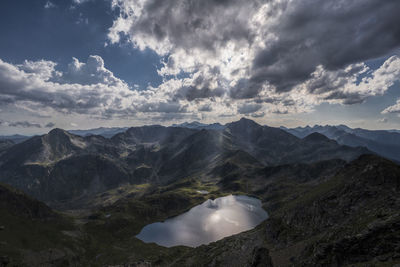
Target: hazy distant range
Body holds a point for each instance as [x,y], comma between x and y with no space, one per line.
[383,142]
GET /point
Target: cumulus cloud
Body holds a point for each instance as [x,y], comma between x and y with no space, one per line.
[236,57]
[392,109]
[83,88]
[91,72]
[348,87]
[89,88]
[160,25]
[292,54]
[223,59]
[43,69]
[36,85]
[49,4]
[334,34]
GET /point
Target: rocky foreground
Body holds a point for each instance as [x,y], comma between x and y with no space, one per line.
[349,218]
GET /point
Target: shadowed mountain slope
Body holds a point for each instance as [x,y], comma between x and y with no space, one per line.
[60,167]
[274,146]
[385,143]
[31,234]
[350,218]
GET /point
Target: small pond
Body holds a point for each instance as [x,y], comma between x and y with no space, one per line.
[208,222]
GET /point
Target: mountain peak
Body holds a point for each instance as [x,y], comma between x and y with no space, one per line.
[199,125]
[193,124]
[246,119]
[58,131]
[316,137]
[61,140]
[243,126]
[247,122]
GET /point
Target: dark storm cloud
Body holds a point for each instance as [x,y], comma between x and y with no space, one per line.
[194,92]
[50,125]
[210,20]
[330,33]
[249,108]
[290,39]
[246,88]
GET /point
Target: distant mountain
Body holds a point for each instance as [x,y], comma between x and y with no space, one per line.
[385,143]
[5,144]
[154,134]
[60,167]
[273,146]
[199,125]
[16,138]
[103,131]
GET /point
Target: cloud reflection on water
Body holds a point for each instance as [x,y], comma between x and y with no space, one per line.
[208,222]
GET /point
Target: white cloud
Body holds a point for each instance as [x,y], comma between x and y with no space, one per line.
[49,4]
[79,2]
[284,55]
[89,88]
[44,69]
[91,72]
[37,86]
[392,109]
[84,88]
[346,86]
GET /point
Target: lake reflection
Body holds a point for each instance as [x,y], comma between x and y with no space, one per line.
[208,222]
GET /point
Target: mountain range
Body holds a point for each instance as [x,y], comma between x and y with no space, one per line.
[385,143]
[79,199]
[62,166]
[382,142]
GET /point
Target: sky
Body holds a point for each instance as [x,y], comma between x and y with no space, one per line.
[80,64]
